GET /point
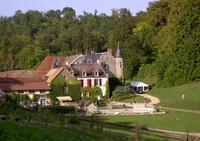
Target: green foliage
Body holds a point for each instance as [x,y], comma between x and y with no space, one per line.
[93,92]
[60,109]
[73,120]
[107,90]
[36,97]
[121,90]
[166,36]
[113,83]
[73,89]
[58,86]
[131,98]
[16,99]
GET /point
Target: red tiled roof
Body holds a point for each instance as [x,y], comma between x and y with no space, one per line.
[47,63]
[23,80]
[24,86]
[22,75]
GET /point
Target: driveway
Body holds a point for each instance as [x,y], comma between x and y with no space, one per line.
[154,100]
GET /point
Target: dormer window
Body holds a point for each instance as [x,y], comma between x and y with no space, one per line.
[105,65]
[96,73]
[84,74]
[89,61]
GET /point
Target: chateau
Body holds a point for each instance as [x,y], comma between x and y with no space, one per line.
[91,70]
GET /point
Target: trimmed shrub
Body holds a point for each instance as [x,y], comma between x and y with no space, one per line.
[74,89]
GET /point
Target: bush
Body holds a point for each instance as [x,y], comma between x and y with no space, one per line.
[113,83]
[58,86]
[60,109]
[93,92]
[121,90]
[73,120]
[74,89]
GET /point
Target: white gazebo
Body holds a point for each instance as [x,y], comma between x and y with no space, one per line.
[138,85]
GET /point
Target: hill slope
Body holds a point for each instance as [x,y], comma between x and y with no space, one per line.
[172,96]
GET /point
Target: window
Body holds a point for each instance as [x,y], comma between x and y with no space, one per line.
[96,73]
[42,91]
[145,88]
[20,92]
[31,92]
[89,61]
[121,65]
[89,83]
[100,82]
[105,65]
[95,82]
[84,74]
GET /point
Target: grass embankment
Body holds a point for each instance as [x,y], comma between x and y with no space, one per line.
[44,125]
[23,132]
[177,121]
[172,97]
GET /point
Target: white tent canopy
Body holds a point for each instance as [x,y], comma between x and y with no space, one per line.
[139,85]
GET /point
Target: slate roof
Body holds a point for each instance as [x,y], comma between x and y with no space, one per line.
[118,53]
[89,69]
[93,57]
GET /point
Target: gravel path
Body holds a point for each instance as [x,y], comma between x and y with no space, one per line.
[154,100]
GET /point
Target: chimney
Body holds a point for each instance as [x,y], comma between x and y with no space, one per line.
[109,50]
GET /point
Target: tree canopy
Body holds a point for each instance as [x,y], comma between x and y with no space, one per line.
[165,38]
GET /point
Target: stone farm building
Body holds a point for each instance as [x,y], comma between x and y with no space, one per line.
[91,70]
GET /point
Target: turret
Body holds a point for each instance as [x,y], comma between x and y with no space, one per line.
[118,63]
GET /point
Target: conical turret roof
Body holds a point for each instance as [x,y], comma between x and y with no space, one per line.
[118,53]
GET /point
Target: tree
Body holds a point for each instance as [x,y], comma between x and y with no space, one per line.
[58,86]
[107,90]
[73,89]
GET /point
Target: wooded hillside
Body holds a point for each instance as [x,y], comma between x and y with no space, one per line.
[163,42]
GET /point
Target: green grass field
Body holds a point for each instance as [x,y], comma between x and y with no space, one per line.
[40,125]
[10,131]
[178,121]
[172,97]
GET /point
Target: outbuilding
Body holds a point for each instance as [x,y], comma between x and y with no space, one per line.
[139,86]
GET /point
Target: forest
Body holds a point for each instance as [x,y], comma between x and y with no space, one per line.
[162,43]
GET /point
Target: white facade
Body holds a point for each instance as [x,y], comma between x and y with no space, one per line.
[100,82]
[40,92]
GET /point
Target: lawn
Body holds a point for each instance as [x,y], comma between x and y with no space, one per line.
[172,97]
[44,125]
[23,132]
[178,121]
[131,98]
